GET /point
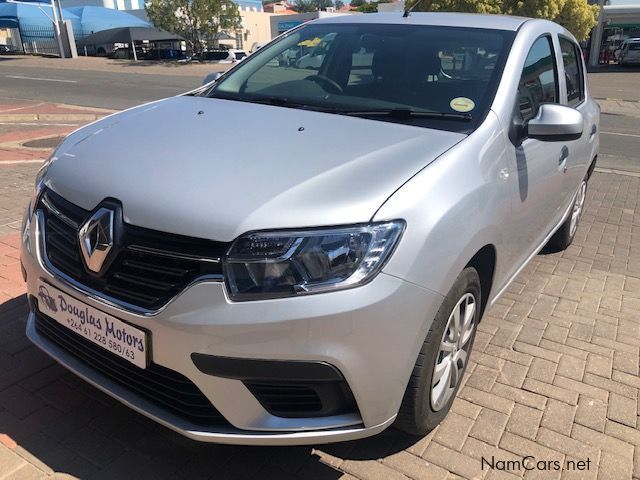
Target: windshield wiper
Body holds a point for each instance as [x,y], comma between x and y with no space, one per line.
[267,100]
[405,113]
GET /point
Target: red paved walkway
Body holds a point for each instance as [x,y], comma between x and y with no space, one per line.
[24,120]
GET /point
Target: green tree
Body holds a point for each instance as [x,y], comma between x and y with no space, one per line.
[577,16]
[303,6]
[338,4]
[199,22]
[356,3]
[370,7]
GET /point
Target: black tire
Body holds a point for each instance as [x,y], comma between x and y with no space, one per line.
[565,234]
[417,415]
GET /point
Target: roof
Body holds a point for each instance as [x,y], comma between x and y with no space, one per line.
[474,20]
[621,9]
[255,4]
[30,14]
[126,35]
[85,20]
[95,19]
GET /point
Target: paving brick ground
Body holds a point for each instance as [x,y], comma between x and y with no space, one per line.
[554,375]
[16,186]
[24,120]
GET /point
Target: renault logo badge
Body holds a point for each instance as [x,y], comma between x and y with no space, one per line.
[96,238]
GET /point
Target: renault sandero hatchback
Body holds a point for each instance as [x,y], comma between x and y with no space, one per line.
[324,278]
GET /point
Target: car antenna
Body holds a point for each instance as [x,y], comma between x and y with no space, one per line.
[407,11]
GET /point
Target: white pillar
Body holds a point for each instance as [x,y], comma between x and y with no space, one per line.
[596,36]
[56,28]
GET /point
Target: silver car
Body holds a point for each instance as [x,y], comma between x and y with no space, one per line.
[322,279]
[630,52]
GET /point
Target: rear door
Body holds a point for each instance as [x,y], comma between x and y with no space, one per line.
[536,201]
[574,95]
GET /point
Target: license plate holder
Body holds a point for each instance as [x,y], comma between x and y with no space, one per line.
[106,331]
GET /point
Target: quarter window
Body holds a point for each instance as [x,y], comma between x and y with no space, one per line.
[539,80]
[572,72]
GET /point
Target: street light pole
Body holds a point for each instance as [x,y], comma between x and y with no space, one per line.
[56,28]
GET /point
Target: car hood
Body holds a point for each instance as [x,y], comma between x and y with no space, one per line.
[215,169]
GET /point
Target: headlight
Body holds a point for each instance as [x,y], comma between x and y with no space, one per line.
[39,183]
[288,263]
[26,230]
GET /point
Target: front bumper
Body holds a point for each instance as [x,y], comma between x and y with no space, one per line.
[371,335]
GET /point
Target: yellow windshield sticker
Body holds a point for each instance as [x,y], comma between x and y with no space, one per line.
[462,104]
[313,42]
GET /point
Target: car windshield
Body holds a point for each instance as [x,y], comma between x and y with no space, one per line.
[439,77]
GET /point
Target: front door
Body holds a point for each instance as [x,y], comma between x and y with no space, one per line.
[538,164]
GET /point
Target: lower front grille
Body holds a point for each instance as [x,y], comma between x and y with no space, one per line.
[161,386]
[300,400]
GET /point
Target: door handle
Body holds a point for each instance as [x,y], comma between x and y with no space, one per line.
[564,154]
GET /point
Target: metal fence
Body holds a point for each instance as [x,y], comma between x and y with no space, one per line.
[37,39]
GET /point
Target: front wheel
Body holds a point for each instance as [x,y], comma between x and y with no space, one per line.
[566,233]
[443,358]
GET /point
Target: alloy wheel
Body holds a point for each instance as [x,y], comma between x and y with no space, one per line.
[578,206]
[454,351]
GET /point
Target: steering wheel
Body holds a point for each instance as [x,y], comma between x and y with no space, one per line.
[326,81]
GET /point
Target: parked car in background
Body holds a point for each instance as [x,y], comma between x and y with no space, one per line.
[324,280]
[257,46]
[222,56]
[239,55]
[122,53]
[6,49]
[630,52]
[165,54]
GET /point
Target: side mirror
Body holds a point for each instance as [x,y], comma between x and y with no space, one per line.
[556,123]
[212,77]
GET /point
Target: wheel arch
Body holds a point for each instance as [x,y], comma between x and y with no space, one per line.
[484,262]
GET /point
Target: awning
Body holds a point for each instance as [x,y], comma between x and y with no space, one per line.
[126,35]
[8,23]
[96,19]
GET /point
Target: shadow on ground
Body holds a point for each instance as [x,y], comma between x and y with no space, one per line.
[62,423]
[613,68]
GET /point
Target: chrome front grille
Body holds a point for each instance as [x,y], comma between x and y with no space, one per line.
[148,267]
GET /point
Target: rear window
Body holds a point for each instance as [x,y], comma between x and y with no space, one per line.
[634,46]
[574,79]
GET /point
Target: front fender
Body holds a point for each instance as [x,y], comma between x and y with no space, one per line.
[455,206]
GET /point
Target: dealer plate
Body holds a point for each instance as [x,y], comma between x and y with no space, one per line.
[104,330]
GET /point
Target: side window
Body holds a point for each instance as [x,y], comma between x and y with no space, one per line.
[539,82]
[572,72]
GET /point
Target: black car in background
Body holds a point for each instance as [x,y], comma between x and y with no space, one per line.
[9,49]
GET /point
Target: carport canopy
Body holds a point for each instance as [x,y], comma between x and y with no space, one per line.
[127,35]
